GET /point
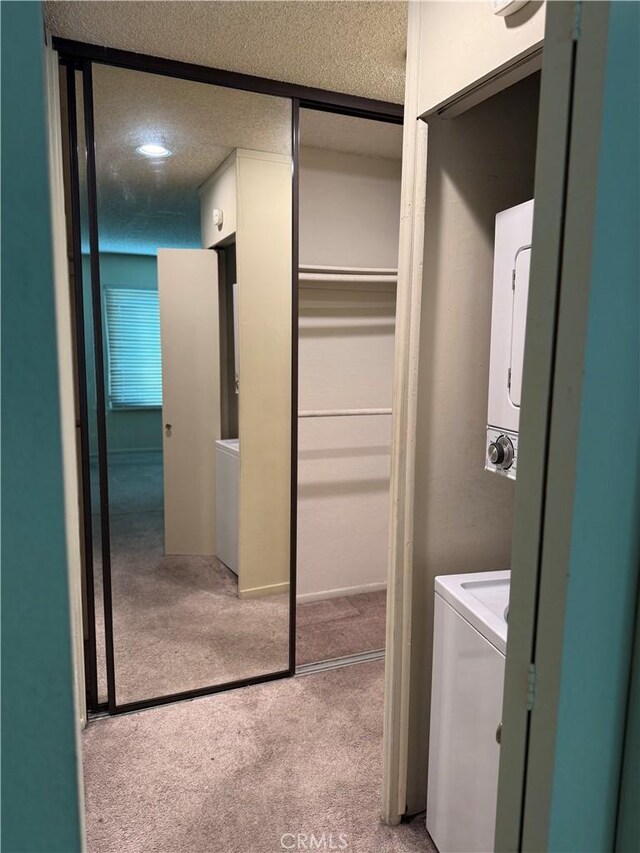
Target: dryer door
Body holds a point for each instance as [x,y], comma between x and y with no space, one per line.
[519,297]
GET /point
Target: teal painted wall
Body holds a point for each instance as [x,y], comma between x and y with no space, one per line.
[603,567]
[628,831]
[126,430]
[40,809]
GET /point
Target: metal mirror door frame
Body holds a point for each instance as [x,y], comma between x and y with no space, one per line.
[79,57]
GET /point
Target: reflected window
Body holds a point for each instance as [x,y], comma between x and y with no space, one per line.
[133,348]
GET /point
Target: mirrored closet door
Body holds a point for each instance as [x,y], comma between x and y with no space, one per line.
[349,178]
[185,278]
[232,266]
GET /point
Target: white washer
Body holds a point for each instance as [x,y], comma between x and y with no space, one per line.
[227,501]
[470,638]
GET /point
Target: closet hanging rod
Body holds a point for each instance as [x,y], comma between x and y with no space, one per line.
[342,413]
[348,277]
[328,271]
[308,274]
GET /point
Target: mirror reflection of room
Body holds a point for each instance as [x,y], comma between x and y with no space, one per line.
[194,213]
[349,223]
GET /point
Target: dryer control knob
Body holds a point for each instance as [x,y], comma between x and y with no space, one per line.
[495,453]
[500,452]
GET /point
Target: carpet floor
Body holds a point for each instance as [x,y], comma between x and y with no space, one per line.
[178,622]
[247,771]
[336,627]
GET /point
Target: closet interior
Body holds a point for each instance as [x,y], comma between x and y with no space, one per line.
[349,208]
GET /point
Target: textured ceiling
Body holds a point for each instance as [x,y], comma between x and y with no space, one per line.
[144,203]
[353,46]
[353,135]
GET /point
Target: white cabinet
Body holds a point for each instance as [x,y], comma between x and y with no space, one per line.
[227,501]
[218,200]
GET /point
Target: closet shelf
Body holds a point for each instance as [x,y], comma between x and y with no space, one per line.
[366,275]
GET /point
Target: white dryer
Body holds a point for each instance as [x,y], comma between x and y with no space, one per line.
[469,647]
[512,259]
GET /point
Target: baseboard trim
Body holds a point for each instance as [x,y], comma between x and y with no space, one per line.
[338,663]
[259,591]
[304,597]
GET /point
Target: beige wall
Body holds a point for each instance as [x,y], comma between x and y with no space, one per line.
[263,258]
[349,215]
[349,208]
[345,361]
[478,164]
[463,44]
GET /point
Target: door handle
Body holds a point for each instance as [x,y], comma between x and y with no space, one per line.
[499,733]
[167,429]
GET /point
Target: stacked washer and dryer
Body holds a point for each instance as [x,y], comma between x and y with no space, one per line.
[471,610]
[512,260]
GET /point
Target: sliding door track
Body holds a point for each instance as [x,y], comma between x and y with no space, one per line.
[337,663]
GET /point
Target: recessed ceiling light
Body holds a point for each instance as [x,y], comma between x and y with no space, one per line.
[153,149]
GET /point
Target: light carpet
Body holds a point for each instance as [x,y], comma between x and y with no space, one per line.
[247,771]
[336,627]
[178,622]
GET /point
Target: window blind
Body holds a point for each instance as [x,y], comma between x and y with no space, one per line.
[133,348]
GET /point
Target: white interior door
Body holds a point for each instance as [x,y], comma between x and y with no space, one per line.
[188,294]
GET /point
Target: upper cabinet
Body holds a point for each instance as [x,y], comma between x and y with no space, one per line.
[220,201]
[468,53]
[218,204]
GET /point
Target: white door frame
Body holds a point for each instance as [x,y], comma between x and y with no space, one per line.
[403,441]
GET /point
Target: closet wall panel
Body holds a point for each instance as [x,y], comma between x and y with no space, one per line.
[349,209]
[349,214]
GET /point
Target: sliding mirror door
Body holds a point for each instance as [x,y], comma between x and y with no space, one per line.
[349,181]
[191,261]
